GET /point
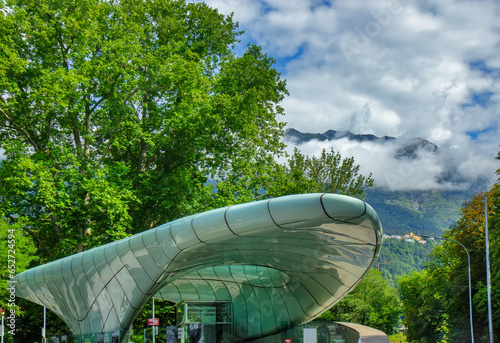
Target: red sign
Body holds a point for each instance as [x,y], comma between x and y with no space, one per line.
[288,340]
[153,321]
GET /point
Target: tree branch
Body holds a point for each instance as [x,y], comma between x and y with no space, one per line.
[112,138]
[40,242]
[19,128]
[64,52]
[76,137]
[86,143]
[58,228]
[97,104]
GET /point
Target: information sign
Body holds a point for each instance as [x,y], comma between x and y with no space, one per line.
[153,321]
[203,313]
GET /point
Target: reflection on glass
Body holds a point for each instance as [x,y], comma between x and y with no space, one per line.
[116,337]
[172,334]
[195,333]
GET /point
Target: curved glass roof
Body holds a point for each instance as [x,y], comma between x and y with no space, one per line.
[281,262]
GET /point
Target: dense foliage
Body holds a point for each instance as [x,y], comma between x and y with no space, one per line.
[399,257]
[436,301]
[17,252]
[164,310]
[328,173]
[427,212]
[114,114]
[423,303]
[373,303]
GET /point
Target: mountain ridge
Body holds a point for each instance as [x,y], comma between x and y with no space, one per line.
[334,135]
[408,150]
[429,211]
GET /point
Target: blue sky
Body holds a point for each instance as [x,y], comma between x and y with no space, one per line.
[402,68]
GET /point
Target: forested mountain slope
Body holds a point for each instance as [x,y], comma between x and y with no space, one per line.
[421,212]
[399,257]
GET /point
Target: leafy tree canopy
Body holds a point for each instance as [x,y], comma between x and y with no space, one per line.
[399,257]
[436,301]
[424,306]
[114,114]
[329,173]
[372,303]
[17,251]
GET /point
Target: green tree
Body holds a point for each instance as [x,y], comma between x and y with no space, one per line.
[164,310]
[424,306]
[480,298]
[328,173]
[114,115]
[443,285]
[398,338]
[373,303]
[29,325]
[17,252]
[399,257]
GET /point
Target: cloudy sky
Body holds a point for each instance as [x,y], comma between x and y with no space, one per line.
[401,68]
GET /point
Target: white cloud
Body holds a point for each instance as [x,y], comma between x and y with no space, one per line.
[450,169]
[403,68]
[245,11]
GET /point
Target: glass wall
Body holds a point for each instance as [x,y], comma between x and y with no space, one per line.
[204,322]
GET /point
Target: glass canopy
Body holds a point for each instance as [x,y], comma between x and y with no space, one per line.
[279,262]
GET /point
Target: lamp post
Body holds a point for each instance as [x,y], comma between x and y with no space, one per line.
[2,328]
[44,339]
[153,328]
[470,289]
[488,277]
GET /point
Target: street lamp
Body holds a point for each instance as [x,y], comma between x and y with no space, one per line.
[2,330]
[470,291]
[44,339]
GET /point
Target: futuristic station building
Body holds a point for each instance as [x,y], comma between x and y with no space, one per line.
[238,273]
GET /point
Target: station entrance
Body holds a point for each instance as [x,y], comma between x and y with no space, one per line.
[204,322]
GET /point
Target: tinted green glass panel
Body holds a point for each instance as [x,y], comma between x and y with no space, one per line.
[279,262]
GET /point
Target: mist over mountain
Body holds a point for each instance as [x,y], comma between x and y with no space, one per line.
[419,187]
[331,135]
[399,164]
[407,149]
